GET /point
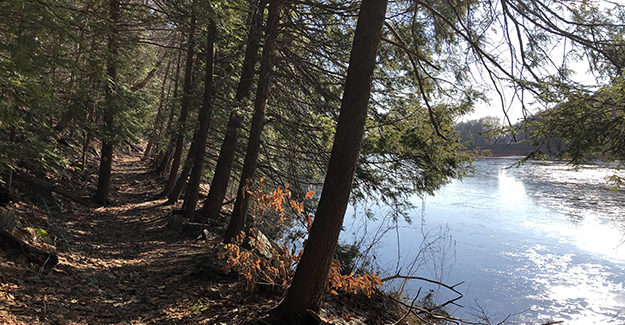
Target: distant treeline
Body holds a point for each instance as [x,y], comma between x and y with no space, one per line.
[487,136]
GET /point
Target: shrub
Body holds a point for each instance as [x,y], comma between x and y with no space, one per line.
[276,270]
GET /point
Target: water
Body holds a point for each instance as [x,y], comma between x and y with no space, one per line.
[542,242]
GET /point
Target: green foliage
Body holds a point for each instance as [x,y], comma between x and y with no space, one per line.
[590,125]
[478,134]
[52,78]
[347,255]
[130,111]
[26,87]
[405,150]
[403,154]
[201,304]
[43,235]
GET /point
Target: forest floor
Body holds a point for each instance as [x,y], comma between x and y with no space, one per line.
[120,264]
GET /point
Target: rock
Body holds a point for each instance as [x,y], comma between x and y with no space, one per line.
[176,223]
[209,267]
[193,229]
[8,220]
[264,245]
[5,196]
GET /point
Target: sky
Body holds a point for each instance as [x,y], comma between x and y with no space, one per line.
[493,107]
[514,109]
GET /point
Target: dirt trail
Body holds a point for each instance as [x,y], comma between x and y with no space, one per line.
[117,265]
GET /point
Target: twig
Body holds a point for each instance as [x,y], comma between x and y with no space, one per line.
[430,313]
[407,277]
[409,308]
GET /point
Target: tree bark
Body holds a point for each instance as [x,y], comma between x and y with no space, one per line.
[14,245]
[150,74]
[106,155]
[163,159]
[163,164]
[239,213]
[47,186]
[184,110]
[157,119]
[88,134]
[219,183]
[310,279]
[173,196]
[251,52]
[205,116]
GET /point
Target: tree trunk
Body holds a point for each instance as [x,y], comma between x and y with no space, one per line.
[239,213]
[184,110]
[150,75]
[172,198]
[309,282]
[157,119]
[11,244]
[251,52]
[163,159]
[88,136]
[49,187]
[219,183]
[106,155]
[205,116]
[104,173]
[85,149]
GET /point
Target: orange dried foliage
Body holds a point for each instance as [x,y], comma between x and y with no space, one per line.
[265,203]
[363,283]
[254,268]
[278,270]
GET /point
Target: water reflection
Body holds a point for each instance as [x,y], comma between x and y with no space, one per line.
[544,240]
[588,234]
[511,191]
[574,291]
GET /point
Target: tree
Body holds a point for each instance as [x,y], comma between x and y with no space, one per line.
[477,134]
[591,124]
[204,116]
[219,183]
[163,159]
[239,213]
[106,155]
[179,133]
[309,282]
[153,138]
[28,82]
[174,194]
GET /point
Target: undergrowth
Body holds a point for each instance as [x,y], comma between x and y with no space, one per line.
[275,265]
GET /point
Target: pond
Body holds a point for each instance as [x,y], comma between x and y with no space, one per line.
[542,242]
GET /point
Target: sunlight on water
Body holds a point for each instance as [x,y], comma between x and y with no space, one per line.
[510,190]
[589,235]
[579,293]
[543,242]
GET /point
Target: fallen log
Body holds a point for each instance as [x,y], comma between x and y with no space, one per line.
[40,256]
[47,186]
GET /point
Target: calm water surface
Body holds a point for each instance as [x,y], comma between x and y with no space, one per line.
[542,242]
